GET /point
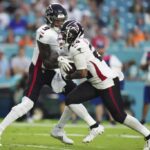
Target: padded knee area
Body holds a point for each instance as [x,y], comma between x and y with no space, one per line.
[69,87]
[22,108]
[119,117]
[69,100]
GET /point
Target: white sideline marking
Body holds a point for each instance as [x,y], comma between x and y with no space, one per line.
[82,135]
[50,147]
[125,136]
[67,125]
[46,135]
[45,125]
[40,146]
[76,135]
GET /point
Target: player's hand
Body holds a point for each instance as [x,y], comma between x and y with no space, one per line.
[64,63]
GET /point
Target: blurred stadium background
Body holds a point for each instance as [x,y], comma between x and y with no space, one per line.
[122,27]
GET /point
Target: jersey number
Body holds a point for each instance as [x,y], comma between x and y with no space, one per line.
[42,33]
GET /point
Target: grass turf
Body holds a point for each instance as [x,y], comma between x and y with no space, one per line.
[35,136]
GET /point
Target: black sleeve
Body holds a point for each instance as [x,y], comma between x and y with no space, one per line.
[48,56]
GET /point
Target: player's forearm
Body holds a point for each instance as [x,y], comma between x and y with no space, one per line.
[79,74]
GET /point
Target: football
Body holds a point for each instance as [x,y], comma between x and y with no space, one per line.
[71,70]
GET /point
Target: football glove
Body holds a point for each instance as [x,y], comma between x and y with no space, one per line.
[64,63]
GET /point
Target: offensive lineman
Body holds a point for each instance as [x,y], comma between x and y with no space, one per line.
[101,80]
[46,58]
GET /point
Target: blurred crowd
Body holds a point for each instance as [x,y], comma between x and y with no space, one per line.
[128,21]
[125,24]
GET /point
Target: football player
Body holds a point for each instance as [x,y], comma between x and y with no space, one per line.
[101,80]
[47,57]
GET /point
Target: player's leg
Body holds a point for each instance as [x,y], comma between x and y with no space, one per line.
[58,84]
[58,130]
[67,89]
[146,103]
[78,108]
[80,94]
[30,95]
[66,115]
[113,102]
[16,112]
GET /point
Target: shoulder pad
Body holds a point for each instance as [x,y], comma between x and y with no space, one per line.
[47,35]
[80,44]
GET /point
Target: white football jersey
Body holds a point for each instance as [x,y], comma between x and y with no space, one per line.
[83,57]
[46,35]
[50,36]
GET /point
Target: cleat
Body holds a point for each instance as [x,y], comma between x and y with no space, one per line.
[147,145]
[60,134]
[93,134]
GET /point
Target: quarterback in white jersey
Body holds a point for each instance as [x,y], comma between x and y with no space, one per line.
[101,80]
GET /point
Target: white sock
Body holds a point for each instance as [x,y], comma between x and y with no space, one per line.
[81,111]
[66,115]
[16,112]
[136,125]
[12,116]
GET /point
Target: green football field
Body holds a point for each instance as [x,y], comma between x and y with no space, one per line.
[35,136]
